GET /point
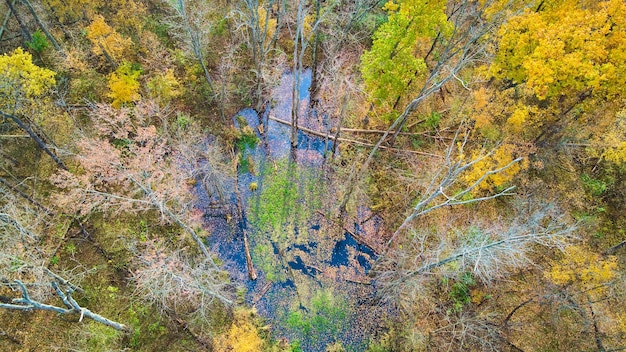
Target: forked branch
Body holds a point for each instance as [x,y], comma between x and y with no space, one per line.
[25,303]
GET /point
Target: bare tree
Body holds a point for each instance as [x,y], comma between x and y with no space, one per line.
[298,42]
[192,27]
[43,27]
[465,330]
[24,257]
[255,21]
[150,172]
[301,41]
[488,251]
[437,193]
[175,283]
[26,36]
[339,29]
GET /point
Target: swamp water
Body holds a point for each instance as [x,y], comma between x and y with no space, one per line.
[312,284]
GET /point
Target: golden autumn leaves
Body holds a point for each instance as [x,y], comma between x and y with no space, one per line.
[22,79]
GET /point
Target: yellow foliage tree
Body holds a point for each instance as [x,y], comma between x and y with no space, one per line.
[124,85]
[267,24]
[587,271]
[164,87]
[500,157]
[21,80]
[562,66]
[106,41]
[68,10]
[567,47]
[611,145]
[243,335]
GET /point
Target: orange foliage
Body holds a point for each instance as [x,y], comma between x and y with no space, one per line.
[105,40]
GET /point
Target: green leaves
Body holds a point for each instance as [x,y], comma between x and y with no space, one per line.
[39,43]
[396,61]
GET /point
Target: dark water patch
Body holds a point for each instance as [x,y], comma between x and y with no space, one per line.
[366,264]
[299,265]
[301,247]
[288,284]
[224,241]
[306,78]
[343,256]
[316,143]
[340,255]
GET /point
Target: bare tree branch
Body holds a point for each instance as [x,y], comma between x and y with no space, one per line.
[25,303]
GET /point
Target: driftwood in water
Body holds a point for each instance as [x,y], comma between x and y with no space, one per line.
[262,292]
[246,247]
[354,281]
[340,139]
[251,271]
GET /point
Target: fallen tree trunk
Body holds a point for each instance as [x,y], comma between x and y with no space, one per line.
[25,303]
[43,27]
[251,271]
[339,139]
[25,196]
[365,131]
[246,247]
[35,137]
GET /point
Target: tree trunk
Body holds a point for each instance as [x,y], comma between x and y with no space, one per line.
[6,21]
[26,37]
[25,196]
[43,28]
[344,104]
[316,39]
[36,138]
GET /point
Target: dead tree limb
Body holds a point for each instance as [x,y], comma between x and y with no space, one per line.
[25,196]
[43,27]
[615,248]
[35,137]
[25,303]
[251,271]
[339,139]
[6,21]
[26,37]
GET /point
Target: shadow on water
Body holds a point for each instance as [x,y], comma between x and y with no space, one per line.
[305,286]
